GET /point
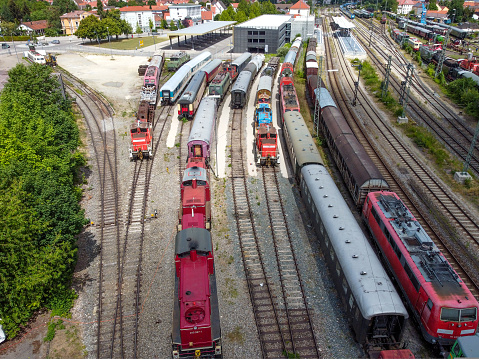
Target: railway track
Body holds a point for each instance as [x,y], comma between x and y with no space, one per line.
[121,241]
[283,324]
[452,131]
[421,184]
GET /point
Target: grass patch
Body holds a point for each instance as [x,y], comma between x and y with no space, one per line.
[127,44]
[236,336]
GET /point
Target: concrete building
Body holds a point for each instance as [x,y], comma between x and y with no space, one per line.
[303,25]
[182,11]
[300,8]
[140,16]
[405,6]
[263,34]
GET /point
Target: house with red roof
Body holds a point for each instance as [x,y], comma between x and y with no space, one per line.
[140,16]
[206,16]
[405,6]
[300,8]
[34,27]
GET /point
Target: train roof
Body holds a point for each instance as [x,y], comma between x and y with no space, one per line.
[178,55]
[304,146]
[265,83]
[198,239]
[325,99]
[242,82]
[372,289]
[211,66]
[246,57]
[470,75]
[204,121]
[191,91]
[290,57]
[257,60]
[172,83]
[195,172]
[362,169]
[198,59]
[156,61]
[438,275]
[219,78]
[469,345]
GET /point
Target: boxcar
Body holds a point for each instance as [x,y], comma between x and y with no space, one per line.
[190,99]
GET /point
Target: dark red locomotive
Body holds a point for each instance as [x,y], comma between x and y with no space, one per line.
[196,319]
[195,210]
[442,304]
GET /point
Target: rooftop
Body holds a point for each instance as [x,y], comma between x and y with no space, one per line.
[201,29]
[300,5]
[266,21]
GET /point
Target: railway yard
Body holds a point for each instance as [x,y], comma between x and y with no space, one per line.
[275,291]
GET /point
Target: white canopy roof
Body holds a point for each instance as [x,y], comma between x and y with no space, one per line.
[343,23]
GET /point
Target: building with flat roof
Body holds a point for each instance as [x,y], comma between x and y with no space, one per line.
[263,34]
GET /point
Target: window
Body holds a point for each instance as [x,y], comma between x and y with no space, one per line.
[468,314]
[429,304]
[449,315]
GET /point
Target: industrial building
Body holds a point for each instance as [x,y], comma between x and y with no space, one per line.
[263,34]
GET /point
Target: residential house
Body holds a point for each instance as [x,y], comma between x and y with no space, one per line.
[140,16]
[217,6]
[300,8]
[206,16]
[405,6]
[71,21]
[34,27]
[180,12]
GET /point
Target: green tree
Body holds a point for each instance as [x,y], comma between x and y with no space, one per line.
[151,25]
[164,24]
[456,7]
[65,6]
[89,28]
[151,3]
[268,8]
[99,9]
[112,3]
[173,26]
[255,10]
[243,6]
[138,29]
[225,16]
[432,5]
[240,16]
[217,17]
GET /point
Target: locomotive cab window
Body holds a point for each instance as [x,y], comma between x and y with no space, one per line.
[458,315]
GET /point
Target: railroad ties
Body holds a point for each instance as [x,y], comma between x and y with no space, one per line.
[283,323]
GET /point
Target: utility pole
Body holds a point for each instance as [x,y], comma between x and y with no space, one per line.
[471,149]
[405,88]
[442,56]
[317,107]
[385,85]
[370,31]
[356,84]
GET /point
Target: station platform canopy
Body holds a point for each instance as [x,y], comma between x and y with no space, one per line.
[343,23]
[200,30]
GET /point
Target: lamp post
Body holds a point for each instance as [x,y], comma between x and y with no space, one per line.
[109,43]
[453,15]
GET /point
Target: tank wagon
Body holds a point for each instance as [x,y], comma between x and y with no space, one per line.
[173,88]
[201,134]
[196,328]
[190,99]
[240,89]
[177,60]
[235,67]
[220,85]
[440,301]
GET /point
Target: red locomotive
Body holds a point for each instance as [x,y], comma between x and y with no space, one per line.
[141,141]
[267,145]
[287,92]
[195,210]
[196,319]
[440,301]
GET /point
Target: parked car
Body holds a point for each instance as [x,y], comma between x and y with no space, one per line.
[5,46]
[55,41]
